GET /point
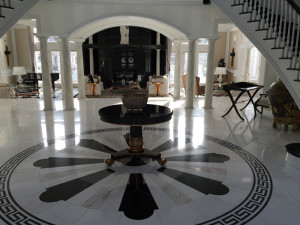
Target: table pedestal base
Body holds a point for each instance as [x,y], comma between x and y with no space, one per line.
[136,150]
[135,156]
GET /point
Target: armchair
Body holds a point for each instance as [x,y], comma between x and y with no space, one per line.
[226,78]
[164,88]
[199,90]
[97,86]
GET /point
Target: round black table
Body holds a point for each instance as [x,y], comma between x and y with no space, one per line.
[151,114]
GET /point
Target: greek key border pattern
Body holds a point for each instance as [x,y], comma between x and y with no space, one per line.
[258,198]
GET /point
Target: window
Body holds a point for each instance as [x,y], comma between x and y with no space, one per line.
[185,63]
[74,67]
[56,64]
[254,65]
[37,58]
[172,67]
[55,61]
[202,66]
[203,41]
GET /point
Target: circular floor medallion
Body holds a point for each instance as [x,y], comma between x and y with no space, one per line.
[65,181]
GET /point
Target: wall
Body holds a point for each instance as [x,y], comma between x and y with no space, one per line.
[22,46]
[234,43]
[220,48]
[193,20]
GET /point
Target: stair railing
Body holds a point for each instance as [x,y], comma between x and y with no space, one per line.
[281,20]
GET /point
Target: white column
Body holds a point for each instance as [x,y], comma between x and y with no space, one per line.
[177,69]
[209,74]
[47,90]
[91,50]
[81,88]
[190,80]
[69,101]
[62,76]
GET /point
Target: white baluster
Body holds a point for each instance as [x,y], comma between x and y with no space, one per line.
[292,43]
[284,27]
[288,37]
[279,33]
[258,16]
[296,52]
[254,12]
[274,35]
[267,25]
[246,6]
[270,32]
[263,20]
[250,6]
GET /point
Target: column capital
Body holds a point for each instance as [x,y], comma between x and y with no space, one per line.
[78,40]
[42,38]
[178,42]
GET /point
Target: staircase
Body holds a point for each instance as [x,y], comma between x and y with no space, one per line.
[273,26]
[11,11]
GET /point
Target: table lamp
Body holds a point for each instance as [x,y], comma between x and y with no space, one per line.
[18,71]
[220,71]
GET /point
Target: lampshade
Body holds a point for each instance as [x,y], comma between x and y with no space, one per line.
[220,70]
[18,70]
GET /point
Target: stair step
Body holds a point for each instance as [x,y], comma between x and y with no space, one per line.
[252,21]
[262,29]
[285,58]
[6,7]
[293,69]
[237,4]
[268,39]
[245,13]
[297,80]
[277,48]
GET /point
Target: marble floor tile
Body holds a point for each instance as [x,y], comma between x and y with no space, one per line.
[220,170]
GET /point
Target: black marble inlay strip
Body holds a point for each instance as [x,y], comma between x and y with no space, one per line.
[67,190]
[208,157]
[60,162]
[202,184]
[95,145]
[126,137]
[138,202]
[169,144]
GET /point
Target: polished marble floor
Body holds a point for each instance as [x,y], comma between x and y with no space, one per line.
[219,170]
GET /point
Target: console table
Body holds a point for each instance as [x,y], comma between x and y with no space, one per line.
[151,114]
[26,91]
[127,86]
[242,87]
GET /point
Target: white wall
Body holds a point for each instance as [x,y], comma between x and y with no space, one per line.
[173,20]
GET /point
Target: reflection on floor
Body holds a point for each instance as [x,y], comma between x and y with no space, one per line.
[219,170]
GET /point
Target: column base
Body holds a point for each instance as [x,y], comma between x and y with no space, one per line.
[69,109]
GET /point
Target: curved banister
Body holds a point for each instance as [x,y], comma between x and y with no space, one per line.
[294,5]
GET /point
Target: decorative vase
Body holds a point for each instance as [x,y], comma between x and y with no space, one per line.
[284,108]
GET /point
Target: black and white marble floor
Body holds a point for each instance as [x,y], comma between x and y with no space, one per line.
[219,170]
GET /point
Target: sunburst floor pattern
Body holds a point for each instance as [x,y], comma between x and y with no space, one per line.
[71,184]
